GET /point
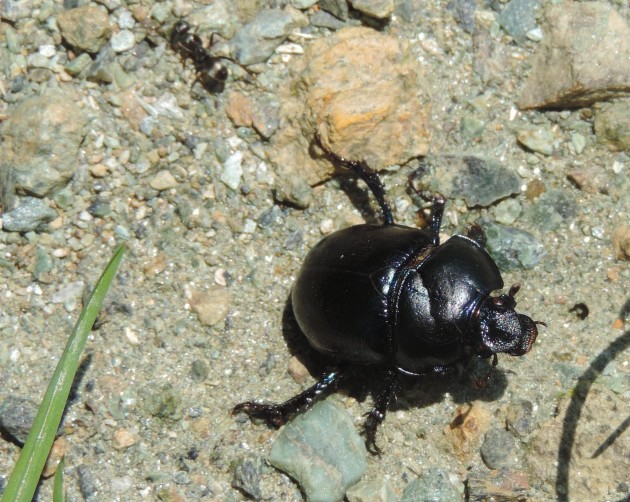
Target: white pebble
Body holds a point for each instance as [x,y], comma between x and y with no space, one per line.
[123,41]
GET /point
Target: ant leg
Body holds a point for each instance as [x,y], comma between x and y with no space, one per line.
[377,413]
[278,414]
[368,175]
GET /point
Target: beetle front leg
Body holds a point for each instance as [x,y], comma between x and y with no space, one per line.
[378,411]
[277,414]
[367,174]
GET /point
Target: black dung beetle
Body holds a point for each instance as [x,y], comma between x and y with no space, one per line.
[211,71]
[395,298]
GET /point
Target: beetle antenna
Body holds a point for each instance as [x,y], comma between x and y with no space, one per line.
[367,174]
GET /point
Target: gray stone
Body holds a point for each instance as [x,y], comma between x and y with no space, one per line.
[479,181]
[433,485]
[14,10]
[512,248]
[257,40]
[214,18]
[31,214]
[464,13]
[498,450]
[551,209]
[16,418]
[338,8]
[537,139]
[519,417]
[518,18]
[41,143]
[322,451]
[324,19]
[43,263]
[248,471]
[78,64]
[161,401]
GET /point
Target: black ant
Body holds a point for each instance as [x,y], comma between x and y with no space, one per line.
[211,71]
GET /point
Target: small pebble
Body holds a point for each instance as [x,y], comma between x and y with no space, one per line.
[538,139]
[498,450]
[326,226]
[519,419]
[123,439]
[379,9]
[211,306]
[163,180]
[297,370]
[233,170]
[161,401]
[372,490]
[123,41]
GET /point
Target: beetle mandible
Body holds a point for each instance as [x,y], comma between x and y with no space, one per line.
[395,297]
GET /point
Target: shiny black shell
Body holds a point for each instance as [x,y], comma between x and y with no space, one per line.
[377,294]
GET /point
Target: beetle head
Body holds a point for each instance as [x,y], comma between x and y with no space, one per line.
[502,329]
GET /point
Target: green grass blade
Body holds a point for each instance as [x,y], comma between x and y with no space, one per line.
[59,494]
[25,476]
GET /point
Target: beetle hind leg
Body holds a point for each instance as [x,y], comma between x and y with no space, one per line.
[277,414]
[377,414]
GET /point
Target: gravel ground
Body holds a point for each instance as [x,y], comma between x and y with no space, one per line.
[130,149]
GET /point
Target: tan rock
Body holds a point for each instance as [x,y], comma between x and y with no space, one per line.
[86,27]
[163,180]
[212,305]
[583,58]
[621,242]
[363,92]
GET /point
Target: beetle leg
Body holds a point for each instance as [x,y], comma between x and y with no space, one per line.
[476,233]
[377,413]
[482,382]
[437,212]
[367,174]
[277,414]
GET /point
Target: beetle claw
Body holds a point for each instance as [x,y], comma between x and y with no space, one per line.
[272,414]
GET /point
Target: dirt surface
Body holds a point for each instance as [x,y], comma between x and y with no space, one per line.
[151,415]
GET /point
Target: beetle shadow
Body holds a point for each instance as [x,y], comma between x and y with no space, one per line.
[461,383]
[574,411]
[415,391]
[360,197]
